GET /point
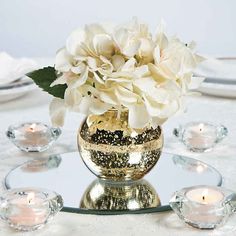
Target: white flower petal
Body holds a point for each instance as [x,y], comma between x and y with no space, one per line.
[60,80]
[80,80]
[159,74]
[103,45]
[142,71]
[121,36]
[138,116]
[131,48]
[97,107]
[157,55]
[129,65]
[195,82]
[153,108]
[108,96]
[57,111]
[117,61]
[146,49]
[92,63]
[79,68]
[161,38]
[125,96]
[98,79]
[72,97]
[74,43]
[84,106]
[63,61]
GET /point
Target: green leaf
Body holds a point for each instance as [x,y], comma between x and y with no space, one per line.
[44,77]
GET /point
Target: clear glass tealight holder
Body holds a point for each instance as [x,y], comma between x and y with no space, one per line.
[200,136]
[204,207]
[33,136]
[28,209]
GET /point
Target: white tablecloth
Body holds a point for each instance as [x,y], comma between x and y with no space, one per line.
[34,106]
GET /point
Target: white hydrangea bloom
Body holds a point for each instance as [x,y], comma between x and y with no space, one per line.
[124,67]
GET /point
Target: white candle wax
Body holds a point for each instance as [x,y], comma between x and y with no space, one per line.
[29,210]
[34,134]
[201,136]
[202,207]
[205,195]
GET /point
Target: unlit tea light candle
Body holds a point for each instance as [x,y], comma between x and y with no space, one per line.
[200,136]
[33,136]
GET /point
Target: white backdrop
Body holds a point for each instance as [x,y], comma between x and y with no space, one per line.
[39,27]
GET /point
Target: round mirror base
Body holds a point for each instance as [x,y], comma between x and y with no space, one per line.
[82,192]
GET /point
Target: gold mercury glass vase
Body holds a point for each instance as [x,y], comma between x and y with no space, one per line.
[105,195]
[112,150]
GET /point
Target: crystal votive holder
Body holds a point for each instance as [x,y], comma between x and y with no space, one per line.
[204,207]
[33,136]
[200,136]
[28,209]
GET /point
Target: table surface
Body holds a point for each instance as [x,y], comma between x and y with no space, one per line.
[34,106]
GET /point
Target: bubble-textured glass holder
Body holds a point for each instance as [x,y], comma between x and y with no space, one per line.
[28,209]
[200,136]
[204,207]
[33,136]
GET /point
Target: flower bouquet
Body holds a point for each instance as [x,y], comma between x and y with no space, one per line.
[128,83]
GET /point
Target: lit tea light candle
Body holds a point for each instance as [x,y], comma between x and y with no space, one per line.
[199,136]
[29,209]
[33,136]
[203,206]
[204,201]
[205,195]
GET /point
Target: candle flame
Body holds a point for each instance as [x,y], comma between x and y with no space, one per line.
[32,127]
[30,198]
[201,126]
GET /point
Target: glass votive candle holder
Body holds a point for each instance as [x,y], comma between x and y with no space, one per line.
[33,136]
[28,209]
[200,136]
[204,207]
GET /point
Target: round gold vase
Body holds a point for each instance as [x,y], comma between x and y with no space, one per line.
[112,150]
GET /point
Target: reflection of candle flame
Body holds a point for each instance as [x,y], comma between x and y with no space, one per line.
[32,127]
[201,126]
[200,168]
[30,198]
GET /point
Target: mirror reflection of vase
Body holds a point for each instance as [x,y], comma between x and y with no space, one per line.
[103,195]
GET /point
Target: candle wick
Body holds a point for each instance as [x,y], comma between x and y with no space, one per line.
[203,198]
